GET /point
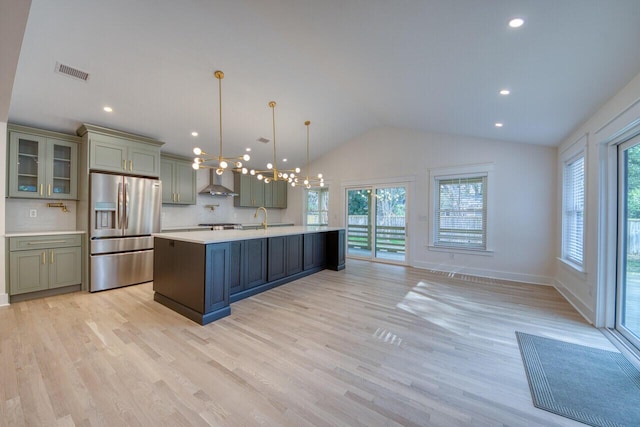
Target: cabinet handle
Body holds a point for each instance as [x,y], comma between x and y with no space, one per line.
[52,261]
[46,242]
[178,197]
[48,189]
[174,197]
[44,258]
[130,165]
[41,190]
[124,165]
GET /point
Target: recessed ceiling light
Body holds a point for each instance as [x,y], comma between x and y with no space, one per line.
[194,133]
[284,160]
[505,92]
[108,109]
[499,125]
[248,149]
[516,22]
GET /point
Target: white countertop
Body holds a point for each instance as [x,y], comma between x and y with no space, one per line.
[220,236]
[42,233]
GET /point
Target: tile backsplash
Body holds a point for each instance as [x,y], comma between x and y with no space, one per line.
[18,216]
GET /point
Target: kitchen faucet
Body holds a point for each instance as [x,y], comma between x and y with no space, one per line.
[255,215]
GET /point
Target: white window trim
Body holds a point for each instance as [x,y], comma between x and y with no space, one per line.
[571,153]
[482,169]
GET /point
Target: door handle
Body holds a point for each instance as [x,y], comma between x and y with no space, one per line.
[178,197]
[41,190]
[46,242]
[44,257]
[48,189]
[126,205]
[52,261]
[124,165]
[119,206]
[131,165]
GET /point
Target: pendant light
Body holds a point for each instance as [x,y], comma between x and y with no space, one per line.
[310,182]
[219,163]
[272,173]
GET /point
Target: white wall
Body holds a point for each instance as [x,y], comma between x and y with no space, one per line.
[582,289]
[523,186]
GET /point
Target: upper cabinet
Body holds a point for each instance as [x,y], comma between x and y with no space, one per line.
[178,180]
[121,152]
[42,164]
[255,193]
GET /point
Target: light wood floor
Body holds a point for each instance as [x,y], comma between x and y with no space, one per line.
[372,345]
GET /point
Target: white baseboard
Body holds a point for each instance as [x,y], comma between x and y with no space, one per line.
[490,274]
[576,302]
[4,300]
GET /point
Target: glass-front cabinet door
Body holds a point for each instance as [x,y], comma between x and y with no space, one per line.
[27,166]
[61,169]
[42,167]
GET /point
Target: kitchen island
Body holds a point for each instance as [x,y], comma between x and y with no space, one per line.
[199,273]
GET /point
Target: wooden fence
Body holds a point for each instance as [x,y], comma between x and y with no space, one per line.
[390,233]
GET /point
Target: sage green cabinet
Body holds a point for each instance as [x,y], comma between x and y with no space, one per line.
[42,164]
[178,180]
[38,263]
[275,194]
[120,152]
[253,192]
[250,191]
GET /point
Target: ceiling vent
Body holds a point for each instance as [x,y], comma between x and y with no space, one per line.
[71,72]
[263,140]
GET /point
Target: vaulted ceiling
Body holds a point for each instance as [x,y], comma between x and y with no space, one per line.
[349,66]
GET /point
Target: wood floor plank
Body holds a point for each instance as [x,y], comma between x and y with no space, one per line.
[374,344]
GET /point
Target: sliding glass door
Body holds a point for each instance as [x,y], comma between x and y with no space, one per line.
[628,285]
[377,223]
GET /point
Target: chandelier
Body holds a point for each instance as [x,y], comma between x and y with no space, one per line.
[273,173]
[310,182]
[219,163]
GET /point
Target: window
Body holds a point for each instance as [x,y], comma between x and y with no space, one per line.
[573,210]
[460,216]
[317,206]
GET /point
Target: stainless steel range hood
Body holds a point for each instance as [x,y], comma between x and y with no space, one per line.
[215,188]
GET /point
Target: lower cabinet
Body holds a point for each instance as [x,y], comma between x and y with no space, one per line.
[39,263]
[335,250]
[285,256]
[248,264]
[315,248]
[216,288]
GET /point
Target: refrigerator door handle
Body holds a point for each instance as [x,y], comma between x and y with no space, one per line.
[126,205]
[119,206]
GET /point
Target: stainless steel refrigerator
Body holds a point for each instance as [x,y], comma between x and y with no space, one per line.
[124,211]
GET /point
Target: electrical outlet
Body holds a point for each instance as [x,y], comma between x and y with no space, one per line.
[33,213]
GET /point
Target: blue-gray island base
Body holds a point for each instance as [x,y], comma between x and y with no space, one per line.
[198,274]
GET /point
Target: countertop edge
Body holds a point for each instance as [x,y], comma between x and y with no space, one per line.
[221,236]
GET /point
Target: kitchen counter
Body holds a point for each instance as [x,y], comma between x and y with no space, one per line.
[199,273]
[41,233]
[219,236]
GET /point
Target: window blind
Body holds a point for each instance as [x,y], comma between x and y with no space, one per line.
[573,211]
[461,212]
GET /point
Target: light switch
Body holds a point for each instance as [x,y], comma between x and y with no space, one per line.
[33,213]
